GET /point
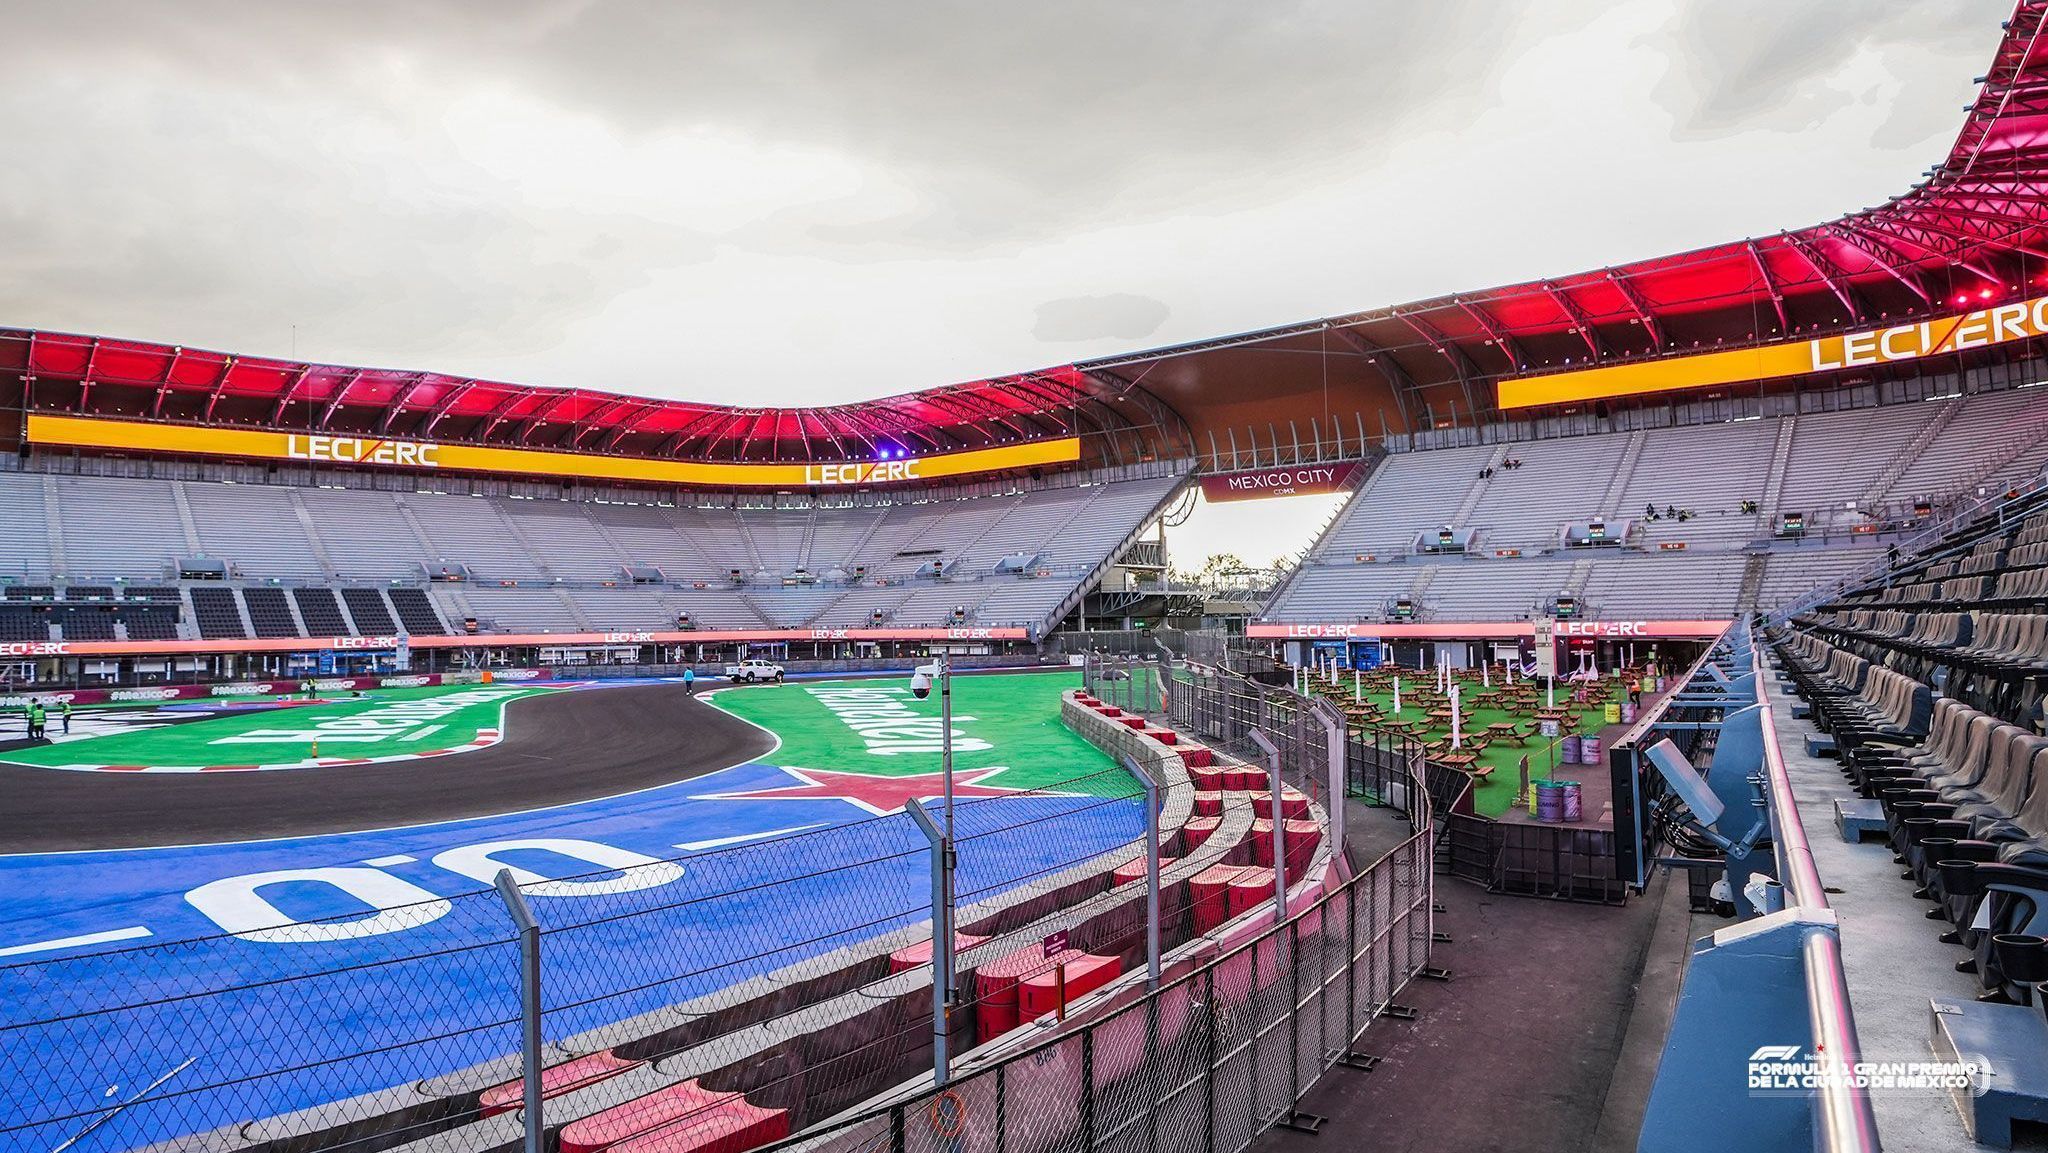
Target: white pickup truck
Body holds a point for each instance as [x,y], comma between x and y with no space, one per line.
[751,672]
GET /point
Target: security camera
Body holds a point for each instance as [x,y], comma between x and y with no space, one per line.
[920,685]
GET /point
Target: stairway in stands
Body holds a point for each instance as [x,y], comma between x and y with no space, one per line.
[1774,482]
[1903,459]
[1622,472]
[1752,582]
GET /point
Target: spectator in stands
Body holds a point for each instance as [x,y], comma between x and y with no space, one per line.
[1650,511]
[1671,511]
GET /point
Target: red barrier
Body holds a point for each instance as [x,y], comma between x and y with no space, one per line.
[1134,870]
[1165,736]
[1039,994]
[1197,757]
[1209,894]
[997,1010]
[1252,887]
[1199,830]
[1292,803]
[1302,838]
[1243,779]
[919,955]
[1208,804]
[555,1080]
[683,1118]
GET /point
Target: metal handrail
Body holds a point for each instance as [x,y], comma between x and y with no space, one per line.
[1844,1119]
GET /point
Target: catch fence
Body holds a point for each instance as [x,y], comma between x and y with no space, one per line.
[1228,1044]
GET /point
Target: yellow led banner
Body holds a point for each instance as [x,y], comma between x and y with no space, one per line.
[48,430]
[2016,321]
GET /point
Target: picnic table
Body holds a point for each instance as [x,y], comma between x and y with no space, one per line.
[1464,763]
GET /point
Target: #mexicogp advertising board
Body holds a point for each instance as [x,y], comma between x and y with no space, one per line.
[52,430]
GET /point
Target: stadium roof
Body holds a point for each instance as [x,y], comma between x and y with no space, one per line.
[1971,232]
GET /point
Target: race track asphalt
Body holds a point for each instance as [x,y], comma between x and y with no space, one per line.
[558,748]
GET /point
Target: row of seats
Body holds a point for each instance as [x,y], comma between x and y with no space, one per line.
[1965,802]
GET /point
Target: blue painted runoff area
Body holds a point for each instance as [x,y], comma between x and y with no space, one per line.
[261,978]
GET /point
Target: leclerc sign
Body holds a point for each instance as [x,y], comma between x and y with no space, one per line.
[52,430]
[1296,480]
[2019,320]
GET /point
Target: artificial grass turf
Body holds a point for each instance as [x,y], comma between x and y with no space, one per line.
[213,740]
[1007,719]
[1496,793]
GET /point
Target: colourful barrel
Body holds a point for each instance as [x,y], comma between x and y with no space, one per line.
[1573,804]
[1589,750]
[1568,749]
[1628,712]
[1535,791]
[1549,802]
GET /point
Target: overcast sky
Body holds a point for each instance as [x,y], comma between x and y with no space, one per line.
[774,202]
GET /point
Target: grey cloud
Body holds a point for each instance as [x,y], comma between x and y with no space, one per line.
[1010,122]
[1114,316]
[1744,65]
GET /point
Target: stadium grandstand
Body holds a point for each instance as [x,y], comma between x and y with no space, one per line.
[1753,539]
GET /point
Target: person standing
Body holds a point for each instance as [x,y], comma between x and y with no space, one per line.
[35,720]
[689,681]
[64,716]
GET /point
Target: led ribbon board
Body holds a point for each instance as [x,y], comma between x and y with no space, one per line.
[2019,320]
[49,430]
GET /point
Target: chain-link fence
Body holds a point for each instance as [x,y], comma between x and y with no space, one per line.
[773,969]
[1225,1050]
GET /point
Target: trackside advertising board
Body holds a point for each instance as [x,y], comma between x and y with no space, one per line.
[51,430]
[1492,630]
[494,640]
[1998,324]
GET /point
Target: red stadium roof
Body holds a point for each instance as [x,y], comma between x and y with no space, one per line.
[1971,232]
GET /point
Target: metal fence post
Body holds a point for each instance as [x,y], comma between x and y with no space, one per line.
[1279,825]
[942,939]
[529,1000]
[1294,1118]
[1152,799]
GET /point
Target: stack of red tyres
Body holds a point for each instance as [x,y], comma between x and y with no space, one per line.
[1038,995]
[996,1007]
[1243,778]
[1302,839]
[683,1118]
[1134,869]
[1199,830]
[1292,803]
[1197,757]
[1208,804]
[1251,888]
[1205,780]
[1209,895]
[555,1080]
[919,955]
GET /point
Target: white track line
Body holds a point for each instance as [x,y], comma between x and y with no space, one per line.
[111,935]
